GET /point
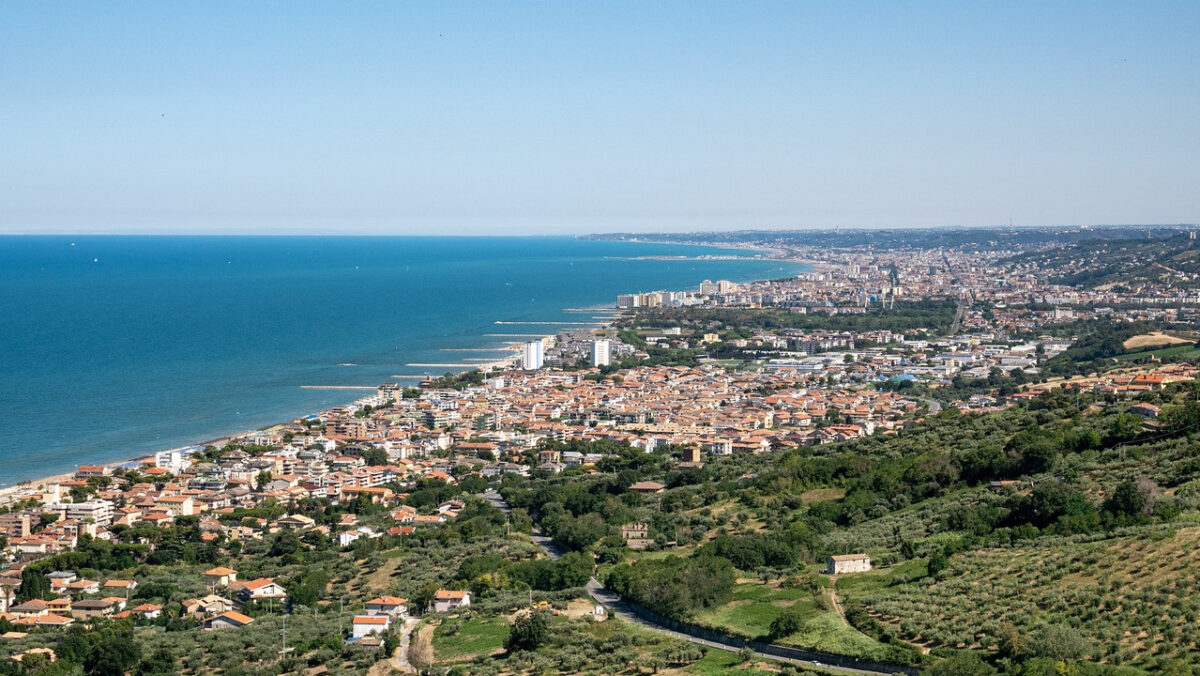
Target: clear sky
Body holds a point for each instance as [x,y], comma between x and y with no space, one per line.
[508,117]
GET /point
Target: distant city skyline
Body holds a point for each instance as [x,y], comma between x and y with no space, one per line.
[522,118]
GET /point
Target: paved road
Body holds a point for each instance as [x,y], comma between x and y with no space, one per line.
[616,606]
[934,406]
[402,662]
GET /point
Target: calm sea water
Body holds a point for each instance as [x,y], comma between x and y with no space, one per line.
[115,346]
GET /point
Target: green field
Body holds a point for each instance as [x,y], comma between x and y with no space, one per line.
[718,662]
[479,635]
[755,606]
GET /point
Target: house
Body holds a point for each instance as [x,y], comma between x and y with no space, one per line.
[295,522]
[636,535]
[848,563]
[1146,410]
[30,608]
[647,487]
[81,587]
[392,606]
[447,599]
[219,576]
[262,588]
[120,586]
[50,620]
[209,605]
[89,608]
[148,610]
[230,619]
[365,625]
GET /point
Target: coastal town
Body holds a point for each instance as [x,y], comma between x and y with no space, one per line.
[677,374]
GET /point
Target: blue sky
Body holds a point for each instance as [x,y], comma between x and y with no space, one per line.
[499,117]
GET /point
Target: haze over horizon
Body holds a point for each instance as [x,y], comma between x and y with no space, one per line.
[475,118]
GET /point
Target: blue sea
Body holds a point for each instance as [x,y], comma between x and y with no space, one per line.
[115,346]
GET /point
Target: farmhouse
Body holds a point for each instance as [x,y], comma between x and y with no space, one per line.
[649,487]
[848,563]
[636,535]
[447,599]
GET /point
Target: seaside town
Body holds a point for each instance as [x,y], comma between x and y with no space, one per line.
[675,373]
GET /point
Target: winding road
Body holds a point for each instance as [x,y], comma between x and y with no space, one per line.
[619,608]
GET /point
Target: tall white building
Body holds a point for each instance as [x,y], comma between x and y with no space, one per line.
[601,352]
[532,356]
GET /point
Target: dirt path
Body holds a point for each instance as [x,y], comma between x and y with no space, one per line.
[841,612]
[420,653]
[836,602]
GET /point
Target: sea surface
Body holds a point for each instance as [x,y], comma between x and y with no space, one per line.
[115,346]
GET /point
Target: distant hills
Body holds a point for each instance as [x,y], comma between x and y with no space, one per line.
[1129,263]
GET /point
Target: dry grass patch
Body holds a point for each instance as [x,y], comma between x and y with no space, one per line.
[1155,339]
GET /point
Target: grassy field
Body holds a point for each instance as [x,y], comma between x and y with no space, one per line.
[1156,339]
[718,662]
[480,635]
[755,606]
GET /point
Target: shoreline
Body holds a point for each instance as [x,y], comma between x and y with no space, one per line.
[24,488]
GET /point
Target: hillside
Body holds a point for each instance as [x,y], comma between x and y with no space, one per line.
[1130,263]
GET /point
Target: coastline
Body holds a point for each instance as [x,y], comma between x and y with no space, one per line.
[27,487]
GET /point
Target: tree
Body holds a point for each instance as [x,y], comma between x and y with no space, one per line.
[1058,642]
[529,632]
[786,624]
[34,585]
[1126,500]
[961,664]
[113,654]
[574,570]
[160,662]
[1013,643]
[375,456]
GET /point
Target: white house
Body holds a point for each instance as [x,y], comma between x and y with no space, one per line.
[262,588]
[848,563]
[364,625]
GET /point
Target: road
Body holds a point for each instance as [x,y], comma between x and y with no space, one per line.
[617,607]
[402,662]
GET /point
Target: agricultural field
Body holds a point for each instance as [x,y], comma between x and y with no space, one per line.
[756,605]
[473,643]
[1154,339]
[1172,353]
[458,639]
[1130,599]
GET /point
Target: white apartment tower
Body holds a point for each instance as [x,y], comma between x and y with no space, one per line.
[601,352]
[532,355]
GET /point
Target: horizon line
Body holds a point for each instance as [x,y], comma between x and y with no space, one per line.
[629,233]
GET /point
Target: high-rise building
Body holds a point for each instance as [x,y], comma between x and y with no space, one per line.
[532,356]
[601,352]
